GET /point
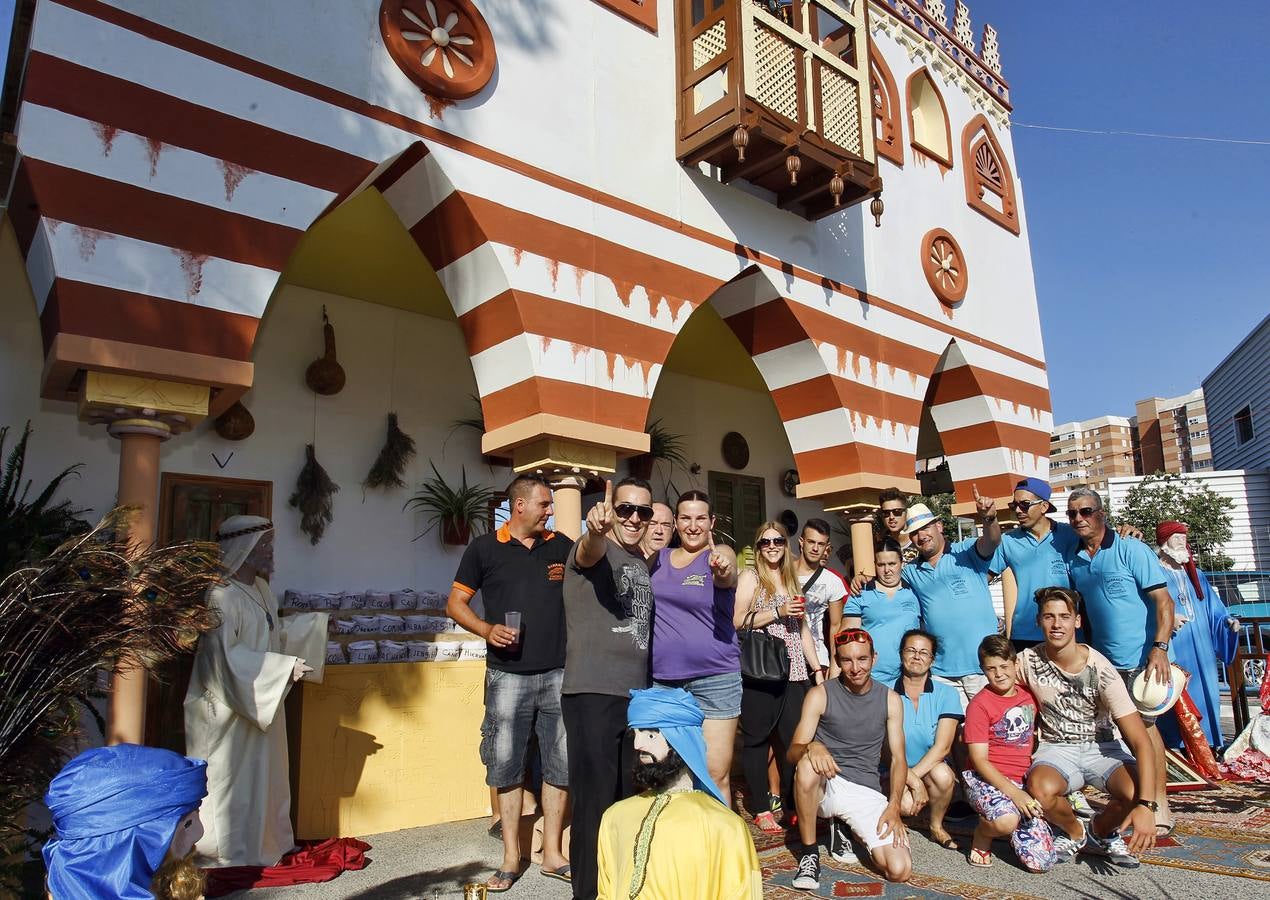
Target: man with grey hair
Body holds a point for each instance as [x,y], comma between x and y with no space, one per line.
[1129,609]
[234,716]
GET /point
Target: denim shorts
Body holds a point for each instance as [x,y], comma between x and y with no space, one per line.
[719,696]
[1081,764]
[516,706]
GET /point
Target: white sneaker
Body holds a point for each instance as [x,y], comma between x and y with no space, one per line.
[1113,848]
[1066,848]
[808,877]
[840,843]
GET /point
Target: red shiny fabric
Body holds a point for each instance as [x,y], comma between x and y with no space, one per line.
[1193,738]
[314,862]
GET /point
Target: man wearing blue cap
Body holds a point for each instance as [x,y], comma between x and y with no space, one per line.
[674,840]
[126,821]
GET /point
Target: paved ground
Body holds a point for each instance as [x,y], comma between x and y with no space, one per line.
[433,863]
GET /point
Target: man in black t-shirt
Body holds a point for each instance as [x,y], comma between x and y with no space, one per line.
[608,604]
[520,569]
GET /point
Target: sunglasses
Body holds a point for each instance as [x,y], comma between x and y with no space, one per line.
[852,636]
[770,542]
[1022,506]
[892,513]
[1084,512]
[626,510]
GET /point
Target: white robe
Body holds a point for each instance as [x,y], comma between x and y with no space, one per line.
[234,719]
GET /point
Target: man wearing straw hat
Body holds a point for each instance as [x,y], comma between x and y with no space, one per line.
[677,839]
[234,716]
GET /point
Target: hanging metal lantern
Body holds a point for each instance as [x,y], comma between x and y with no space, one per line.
[836,186]
[792,164]
[876,208]
[740,140]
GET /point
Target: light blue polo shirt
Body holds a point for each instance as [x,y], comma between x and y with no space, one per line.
[956,605]
[885,619]
[939,701]
[1116,584]
[1035,564]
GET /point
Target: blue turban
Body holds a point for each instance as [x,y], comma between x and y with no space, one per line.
[674,713]
[115,810]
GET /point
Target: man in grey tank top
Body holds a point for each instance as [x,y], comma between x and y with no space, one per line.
[837,748]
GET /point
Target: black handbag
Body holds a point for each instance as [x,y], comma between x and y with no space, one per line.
[764,657]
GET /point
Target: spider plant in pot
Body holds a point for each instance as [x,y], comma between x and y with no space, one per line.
[662,444]
[460,511]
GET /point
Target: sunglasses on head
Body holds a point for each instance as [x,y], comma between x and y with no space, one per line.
[1084,512]
[852,636]
[770,542]
[1022,506]
[626,510]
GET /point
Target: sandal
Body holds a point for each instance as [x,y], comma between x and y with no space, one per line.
[946,841]
[510,877]
[980,859]
[766,822]
[1163,830]
[564,873]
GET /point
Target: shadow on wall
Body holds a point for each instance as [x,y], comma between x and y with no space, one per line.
[526,23]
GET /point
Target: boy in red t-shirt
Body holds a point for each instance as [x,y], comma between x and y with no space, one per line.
[999,726]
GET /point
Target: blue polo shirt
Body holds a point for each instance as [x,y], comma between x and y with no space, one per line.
[1035,564]
[1116,584]
[885,619]
[956,605]
[921,721]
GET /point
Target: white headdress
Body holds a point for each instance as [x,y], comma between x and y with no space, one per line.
[238,536]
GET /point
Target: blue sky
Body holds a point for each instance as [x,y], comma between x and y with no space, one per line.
[1152,257]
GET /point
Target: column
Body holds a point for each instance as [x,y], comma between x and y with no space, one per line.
[142,413]
[567,495]
[862,545]
[567,464]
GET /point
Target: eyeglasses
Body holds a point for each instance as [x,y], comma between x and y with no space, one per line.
[1084,512]
[919,653]
[892,513]
[770,542]
[1022,506]
[626,510]
[852,636]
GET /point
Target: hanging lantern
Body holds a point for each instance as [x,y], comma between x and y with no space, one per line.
[836,187]
[876,208]
[792,164]
[740,140]
[235,423]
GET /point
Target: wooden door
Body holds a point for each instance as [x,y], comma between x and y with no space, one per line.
[740,507]
[191,508]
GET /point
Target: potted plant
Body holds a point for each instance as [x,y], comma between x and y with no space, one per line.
[663,445]
[460,511]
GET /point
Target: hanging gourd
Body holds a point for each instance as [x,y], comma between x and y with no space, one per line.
[325,375]
[235,423]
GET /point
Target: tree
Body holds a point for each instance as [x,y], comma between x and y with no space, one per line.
[1171,498]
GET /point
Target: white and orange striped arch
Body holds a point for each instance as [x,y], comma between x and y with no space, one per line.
[164,182]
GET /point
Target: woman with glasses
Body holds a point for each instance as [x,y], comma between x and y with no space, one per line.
[768,598]
[886,610]
[694,643]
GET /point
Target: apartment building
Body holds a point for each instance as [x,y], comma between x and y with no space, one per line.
[1173,434]
[1090,452]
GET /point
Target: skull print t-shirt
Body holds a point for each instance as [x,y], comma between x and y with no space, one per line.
[607,612]
[1005,724]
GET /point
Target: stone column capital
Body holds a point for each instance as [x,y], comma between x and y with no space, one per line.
[132,404]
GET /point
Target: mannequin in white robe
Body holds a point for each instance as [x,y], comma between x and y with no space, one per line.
[233,710]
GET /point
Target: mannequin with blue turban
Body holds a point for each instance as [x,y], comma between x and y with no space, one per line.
[678,838]
[120,813]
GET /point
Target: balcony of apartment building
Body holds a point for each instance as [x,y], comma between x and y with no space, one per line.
[776,93]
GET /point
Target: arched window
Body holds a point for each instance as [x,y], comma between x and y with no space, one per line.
[989,182]
[928,119]
[888,136]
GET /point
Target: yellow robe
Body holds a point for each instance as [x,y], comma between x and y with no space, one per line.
[700,850]
[234,719]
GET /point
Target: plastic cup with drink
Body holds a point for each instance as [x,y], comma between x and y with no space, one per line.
[796,606]
[512,621]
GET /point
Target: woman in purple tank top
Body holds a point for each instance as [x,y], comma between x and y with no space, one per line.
[694,643]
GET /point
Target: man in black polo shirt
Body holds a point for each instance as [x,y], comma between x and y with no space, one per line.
[520,568]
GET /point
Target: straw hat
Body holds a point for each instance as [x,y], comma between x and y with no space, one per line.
[919,516]
[1154,699]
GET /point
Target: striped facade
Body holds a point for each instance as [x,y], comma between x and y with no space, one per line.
[164,181]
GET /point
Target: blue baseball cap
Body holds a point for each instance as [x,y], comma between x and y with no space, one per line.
[1034,485]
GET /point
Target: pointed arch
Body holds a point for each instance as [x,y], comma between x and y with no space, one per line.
[931,134]
[887,131]
[988,175]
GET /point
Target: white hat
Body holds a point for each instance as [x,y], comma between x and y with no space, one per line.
[919,516]
[1154,699]
[237,537]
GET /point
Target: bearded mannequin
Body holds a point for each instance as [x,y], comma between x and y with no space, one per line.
[234,715]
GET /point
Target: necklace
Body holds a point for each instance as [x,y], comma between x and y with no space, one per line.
[268,616]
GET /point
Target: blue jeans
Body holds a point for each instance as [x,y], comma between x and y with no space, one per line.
[517,706]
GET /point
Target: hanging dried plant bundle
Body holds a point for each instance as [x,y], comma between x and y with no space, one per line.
[391,463]
[313,491]
[90,604]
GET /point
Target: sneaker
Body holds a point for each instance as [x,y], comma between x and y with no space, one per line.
[840,843]
[1066,848]
[808,877]
[765,821]
[774,804]
[1113,848]
[1080,805]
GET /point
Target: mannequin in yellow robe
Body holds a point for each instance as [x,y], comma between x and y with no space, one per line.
[234,717]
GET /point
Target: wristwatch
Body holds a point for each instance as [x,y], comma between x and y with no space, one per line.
[1150,804]
[1160,645]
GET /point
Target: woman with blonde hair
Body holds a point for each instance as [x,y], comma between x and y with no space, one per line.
[768,599]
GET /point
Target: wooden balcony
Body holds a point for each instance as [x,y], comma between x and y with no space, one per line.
[777,93]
